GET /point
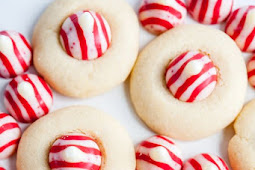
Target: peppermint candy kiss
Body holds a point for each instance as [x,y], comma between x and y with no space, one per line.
[75,151]
[251,71]
[205,162]
[241,28]
[28,97]
[85,35]
[210,11]
[191,76]
[9,135]
[157,153]
[158,16]
[15,54]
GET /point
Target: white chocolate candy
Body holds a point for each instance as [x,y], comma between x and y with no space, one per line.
[210,11]
[157,153]
[26,90]
[193,67]
[160,154]
[28,97]
[241,28]
[15,54]
[158,16]
[191,76]
[205,162]
[85,35]
[9,135]
[75,150]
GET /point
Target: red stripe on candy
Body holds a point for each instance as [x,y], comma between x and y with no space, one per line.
[154,6]
[83,44]
[37,94]
[8,126]
[15,107]
[157,21]
[63,164]
[195,164]
[66,41]
[216,12]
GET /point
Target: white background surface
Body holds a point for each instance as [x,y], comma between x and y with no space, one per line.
[21,16]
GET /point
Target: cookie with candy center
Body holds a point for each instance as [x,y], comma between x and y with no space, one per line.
[158,16]
[197,92]
[210,11]
[15,54]
[9,135]
[77,137]
[75,150]
[158,152]
[205,162]
[85,35]
[28,97]
[81,54]
[191,76]
[241,28]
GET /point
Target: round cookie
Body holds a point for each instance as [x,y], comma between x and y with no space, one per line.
[158,152]
[15,54]
[115,145]
[83,78]
[240,27]
[158,16]
[165,114]
[241,147]
[28,97]
[205,161]
[210,11]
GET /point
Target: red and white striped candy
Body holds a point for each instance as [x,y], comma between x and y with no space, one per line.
[191,76]
[15,54]
[9,135]
[241,28]
[158,153]
[205,162]
[85,35]
[75,151]
[28,97]
[158,16]
[1,168]
[210,11]
[251,71]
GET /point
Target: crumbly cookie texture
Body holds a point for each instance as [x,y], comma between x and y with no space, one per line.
[241,147]
[81,78]
[115,145]
[165,114]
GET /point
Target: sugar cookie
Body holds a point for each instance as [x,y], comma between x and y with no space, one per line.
[47,141]
[102,45]
[215,108]
[241,149]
